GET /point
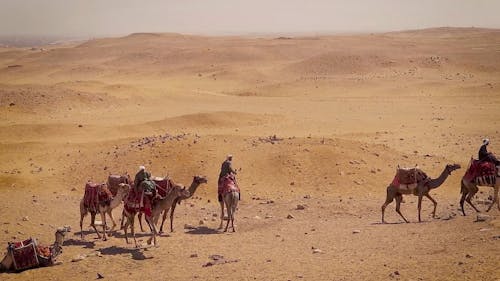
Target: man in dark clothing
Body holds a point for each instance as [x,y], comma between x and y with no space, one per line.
[484,155]
[141,176]
[226,169]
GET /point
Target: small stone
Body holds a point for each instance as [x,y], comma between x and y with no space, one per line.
[25,218]
[356,231]
[301,207]
[269,217]
[78,258]
[202,222]
[257,217]
[193,256]
[468,256]
[482,217]
[189,226]
[99,276]
[80,125]
[290,216]
[317,251]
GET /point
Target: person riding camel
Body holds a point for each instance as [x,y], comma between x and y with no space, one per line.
[226,169]
[141,176]
[486,156]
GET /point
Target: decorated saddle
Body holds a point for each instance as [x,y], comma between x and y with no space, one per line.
[95,195]
[227,184]
[409,178]
[28,254]
[163,185]
[140,199]
[481,172]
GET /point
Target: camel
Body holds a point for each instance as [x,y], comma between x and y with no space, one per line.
[469,187]
[197,181]
[231,201]
[157,209]
[54,250]
[115,180]
[421,190]
[103,210]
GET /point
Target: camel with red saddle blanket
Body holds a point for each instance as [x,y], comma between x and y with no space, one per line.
[230,192]
[164,184]
[157,207]
[479,173]
[115,180]
[414,181]
[98,199]
[29,254]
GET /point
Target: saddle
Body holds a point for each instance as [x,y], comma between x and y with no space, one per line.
[163,185]
[483,172]
[95,195]
[409,178]
[28,254]
[227,184]
[139,200]
[115,180]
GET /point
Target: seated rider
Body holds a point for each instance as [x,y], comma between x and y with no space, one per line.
[226,169]
[141,176]
[486,156]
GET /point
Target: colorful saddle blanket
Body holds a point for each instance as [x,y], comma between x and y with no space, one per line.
[409,178]
[137,201]
[227,184]
[27,254]
[163,186]
[95,195]
[480,169]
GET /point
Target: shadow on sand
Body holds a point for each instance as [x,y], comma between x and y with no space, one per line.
[137,254]
[202,230]
[74,242]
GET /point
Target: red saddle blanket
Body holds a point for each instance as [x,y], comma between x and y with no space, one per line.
[96,194]
[137,201]
[479,169]
[227,184]
[409,177]
[163,186]
[24,254]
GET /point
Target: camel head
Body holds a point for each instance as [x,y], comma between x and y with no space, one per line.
[452,167]
[200,179]
[60,234]
[123,188]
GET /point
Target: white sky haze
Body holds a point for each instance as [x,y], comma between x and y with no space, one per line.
[212,17]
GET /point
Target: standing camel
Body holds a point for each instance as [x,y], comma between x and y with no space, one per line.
[197,181]
[103,209]
[422,189]
[469,187]
[230,193]
[157,209]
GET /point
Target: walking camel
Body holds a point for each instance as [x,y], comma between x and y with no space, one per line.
[197,181]
[423,188]
[103,209]
[230,193]
[157,209]
[469,187]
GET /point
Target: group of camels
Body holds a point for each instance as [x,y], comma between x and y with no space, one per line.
[469,187]
[121,186]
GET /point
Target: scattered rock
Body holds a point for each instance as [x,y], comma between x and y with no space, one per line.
[269,217]
[356,231]
[202,222]
[25,218]
[301,207]
[317,251]
[80,125]
[99,276]
[12,104]
[189,226]
[482,217]
[78,258]
[290,216]
[193,256]
[468,256]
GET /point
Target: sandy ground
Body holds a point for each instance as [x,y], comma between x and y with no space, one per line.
[344,110]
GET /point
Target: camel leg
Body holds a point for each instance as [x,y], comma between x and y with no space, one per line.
[469,197]
[462,199]
[221,213]
[419,206]
[103,218]
[399,198]
[125,226]
[495,199]
[7,263]
[151,224]
[229,213]
[172,216]
[388,201]
[163,219]
[139,218]
[82,215]
[433,202]
[110,213]
[92,223]
[235,205]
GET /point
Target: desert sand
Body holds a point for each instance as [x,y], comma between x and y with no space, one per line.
[317,121]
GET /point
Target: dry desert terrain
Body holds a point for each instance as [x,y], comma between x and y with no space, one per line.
[316,121]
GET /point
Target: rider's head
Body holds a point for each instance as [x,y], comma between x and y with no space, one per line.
[142,168]
[486,141]
[229,157]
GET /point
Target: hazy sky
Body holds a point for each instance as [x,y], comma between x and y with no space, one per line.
[109,17]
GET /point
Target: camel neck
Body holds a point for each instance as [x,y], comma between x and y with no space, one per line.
[435,183]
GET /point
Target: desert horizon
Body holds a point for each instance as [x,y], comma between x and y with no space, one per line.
[317,126]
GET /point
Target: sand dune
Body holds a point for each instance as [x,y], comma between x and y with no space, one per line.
[318,121]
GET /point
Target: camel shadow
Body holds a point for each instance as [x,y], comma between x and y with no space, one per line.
[84,243]
[137,254]
[201,230]
[117,234]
